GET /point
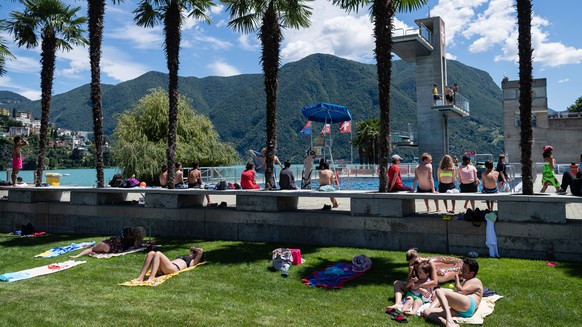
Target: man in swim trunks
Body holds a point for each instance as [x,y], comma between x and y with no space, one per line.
[19,142]
[489,178]
[462,303]
[326,181]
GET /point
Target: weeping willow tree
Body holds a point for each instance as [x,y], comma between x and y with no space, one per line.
[142,133]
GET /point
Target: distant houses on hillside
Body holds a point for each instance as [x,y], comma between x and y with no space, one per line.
[60,137]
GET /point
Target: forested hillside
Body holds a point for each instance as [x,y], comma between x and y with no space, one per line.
[236,104]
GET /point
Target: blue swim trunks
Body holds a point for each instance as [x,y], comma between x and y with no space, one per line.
[469,313]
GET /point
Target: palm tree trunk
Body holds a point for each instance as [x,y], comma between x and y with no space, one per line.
[524,12]
[382,12]
[96,11]
[271,37]
[172,26]
[48,55]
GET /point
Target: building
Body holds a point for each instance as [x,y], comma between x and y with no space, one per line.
[561,130]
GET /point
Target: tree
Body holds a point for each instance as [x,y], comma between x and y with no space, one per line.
[367,140]
[142,131]
[151,13]
[57,26]
[524,12]
[382,12]
[96,11]
[268,17]
[4,53]
[577,106]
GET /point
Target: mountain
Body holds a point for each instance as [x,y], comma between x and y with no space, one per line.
[10,99]
[236,104]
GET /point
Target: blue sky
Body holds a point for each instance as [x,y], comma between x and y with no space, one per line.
[480,33]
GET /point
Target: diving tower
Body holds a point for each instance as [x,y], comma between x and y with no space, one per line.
[425,47]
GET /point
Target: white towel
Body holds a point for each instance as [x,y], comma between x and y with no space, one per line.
[491,239]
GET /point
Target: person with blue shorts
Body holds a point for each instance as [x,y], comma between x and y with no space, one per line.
[461,303]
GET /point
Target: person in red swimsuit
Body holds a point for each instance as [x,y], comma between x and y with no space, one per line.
[248,179]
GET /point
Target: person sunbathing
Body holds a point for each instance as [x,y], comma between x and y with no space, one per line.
[159,264]
[128,237]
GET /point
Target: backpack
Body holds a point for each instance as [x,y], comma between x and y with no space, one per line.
[116,181]
[222,185]
[282,259]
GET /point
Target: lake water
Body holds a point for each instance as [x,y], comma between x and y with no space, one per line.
[71,177]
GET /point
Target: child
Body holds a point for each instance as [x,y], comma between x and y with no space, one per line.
[548,177]
[19,142]
[423,176]
[417,295]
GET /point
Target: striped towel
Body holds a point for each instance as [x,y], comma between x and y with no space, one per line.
[64,249]
[39,271]
[160,279]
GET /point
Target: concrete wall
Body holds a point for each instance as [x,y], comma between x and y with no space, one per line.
[557,241]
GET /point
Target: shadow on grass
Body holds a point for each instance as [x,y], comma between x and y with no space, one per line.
[15,240]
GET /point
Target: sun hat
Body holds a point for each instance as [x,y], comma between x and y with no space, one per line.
[396,157]
[361,263]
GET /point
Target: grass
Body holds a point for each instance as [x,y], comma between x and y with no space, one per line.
[236,288]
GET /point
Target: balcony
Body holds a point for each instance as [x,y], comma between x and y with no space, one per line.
[412,43]
[459,108]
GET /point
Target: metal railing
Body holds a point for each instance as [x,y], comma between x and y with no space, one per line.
[421,31]
[459,101]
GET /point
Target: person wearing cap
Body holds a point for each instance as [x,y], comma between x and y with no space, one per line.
[394,177]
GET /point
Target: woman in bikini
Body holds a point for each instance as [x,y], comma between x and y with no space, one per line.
[446,178]
[161,265]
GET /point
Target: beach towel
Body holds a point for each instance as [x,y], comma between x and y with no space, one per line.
[160,279]
[39,271]
[334,276]
[64,249]
[486,308]
[111,255]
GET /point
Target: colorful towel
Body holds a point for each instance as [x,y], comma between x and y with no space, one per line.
[160,279]
[64,249]
[39,271]
[334,276]
[111,255]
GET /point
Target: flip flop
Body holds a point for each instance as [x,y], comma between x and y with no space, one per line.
[393,312]
[400,318]
[222,205]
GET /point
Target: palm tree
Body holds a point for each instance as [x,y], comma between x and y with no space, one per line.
[367,140]
[4,52]
[95,12]
[58,27]
[269,17]
[382,12]
[150,13]
[524,10]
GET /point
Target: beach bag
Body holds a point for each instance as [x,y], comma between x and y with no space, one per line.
[131,182]
[296,254]
[116,181]
[282,259]
[222,185]
[361,263]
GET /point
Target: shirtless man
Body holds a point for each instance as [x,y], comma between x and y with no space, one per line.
[326,183]
[195,179]
[179,176]
[489,177]
[164,176]
[462,303]
[423,175]
[19,142]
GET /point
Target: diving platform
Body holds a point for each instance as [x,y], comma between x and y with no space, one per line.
[412,43]
[459,108]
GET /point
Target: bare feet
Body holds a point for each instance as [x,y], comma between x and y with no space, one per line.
[451,211]
[336,205]
[452,324]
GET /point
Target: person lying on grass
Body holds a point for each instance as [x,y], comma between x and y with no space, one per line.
[161,265]
[129,236]
[462,303]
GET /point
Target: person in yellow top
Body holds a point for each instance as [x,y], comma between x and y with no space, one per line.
[446,177]
[435,94]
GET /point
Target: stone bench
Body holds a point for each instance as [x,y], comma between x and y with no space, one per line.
[36,194]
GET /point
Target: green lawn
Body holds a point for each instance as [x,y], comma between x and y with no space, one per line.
[236,288]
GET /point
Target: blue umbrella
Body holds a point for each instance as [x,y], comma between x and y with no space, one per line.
[326,113]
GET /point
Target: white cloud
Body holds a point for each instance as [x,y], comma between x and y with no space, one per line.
[141,37]
[8,83]
[30,94]
[248,42]
[119,66]
[217,9]
[456,14]
[221,68]
[77,60]
[23,64]
[565,80]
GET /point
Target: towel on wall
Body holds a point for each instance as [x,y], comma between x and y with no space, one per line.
[334,276]
[64,249]
[160,279]
[39,271]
